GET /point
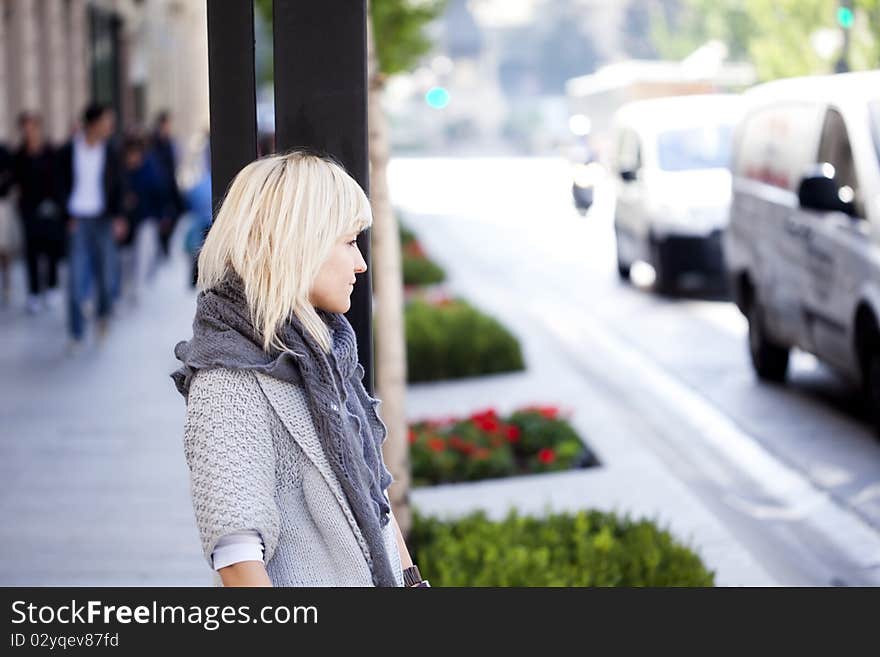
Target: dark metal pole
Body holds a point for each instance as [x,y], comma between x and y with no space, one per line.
[321,104]
[233,97]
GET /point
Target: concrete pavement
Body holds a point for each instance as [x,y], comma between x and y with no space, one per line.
[95,490]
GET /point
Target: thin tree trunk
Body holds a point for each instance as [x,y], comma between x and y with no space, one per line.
[389,340]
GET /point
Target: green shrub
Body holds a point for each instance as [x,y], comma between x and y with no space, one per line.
[454,340]
[419,270]
[406,235]
[587,548]
[531,440]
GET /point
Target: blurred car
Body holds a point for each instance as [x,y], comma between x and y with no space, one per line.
[803,248]
[670,163]
[584,180]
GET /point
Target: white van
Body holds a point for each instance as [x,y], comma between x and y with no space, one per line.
[670,163]
[803,247]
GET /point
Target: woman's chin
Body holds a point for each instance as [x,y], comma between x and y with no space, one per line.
[340,308]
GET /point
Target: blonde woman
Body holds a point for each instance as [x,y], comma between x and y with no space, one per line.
[282,440]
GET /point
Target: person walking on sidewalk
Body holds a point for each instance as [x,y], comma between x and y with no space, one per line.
[200,206]
[143,205]
[91,189]
[283,443]
[8,234]
[173,203]
[42,223]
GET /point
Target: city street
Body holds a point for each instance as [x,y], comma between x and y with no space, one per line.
[793,472]
[94,484]
[618,306]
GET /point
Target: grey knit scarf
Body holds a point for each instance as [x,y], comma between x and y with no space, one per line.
[223,336]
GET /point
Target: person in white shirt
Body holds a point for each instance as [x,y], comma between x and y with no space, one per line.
[90,179]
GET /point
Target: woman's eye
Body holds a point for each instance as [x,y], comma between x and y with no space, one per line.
[353,242]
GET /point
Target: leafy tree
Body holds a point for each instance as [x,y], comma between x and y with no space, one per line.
[865,51]
[772,34]
[399,27]
[780,44]
[680,28]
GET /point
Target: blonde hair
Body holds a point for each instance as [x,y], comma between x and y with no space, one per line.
[275,228]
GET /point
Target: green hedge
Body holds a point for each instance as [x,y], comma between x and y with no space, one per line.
[454,340]
[485,445]
[588,548]
[419,270]
[406,235]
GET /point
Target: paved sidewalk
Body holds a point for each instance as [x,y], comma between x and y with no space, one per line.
[94,485]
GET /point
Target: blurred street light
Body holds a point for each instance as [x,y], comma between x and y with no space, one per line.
[845,18]
[580,125]
[437,97]
[826,42]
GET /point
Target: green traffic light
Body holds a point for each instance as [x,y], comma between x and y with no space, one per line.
[845,17]
[437,97]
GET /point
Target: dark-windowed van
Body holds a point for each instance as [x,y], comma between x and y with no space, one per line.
[802,249]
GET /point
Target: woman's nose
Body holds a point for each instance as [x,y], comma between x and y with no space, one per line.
[361,264]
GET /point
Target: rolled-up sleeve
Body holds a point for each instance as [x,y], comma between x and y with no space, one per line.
[231,458]
[237,547]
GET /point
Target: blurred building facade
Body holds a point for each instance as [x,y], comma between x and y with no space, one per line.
[139,56]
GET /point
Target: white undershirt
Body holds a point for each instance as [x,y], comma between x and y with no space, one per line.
[87,195]
[237,546]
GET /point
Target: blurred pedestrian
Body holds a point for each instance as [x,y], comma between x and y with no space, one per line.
[42,221]
[200,206]
[8,230]
[162,149]
[90,185]
[272,374]
[144,200]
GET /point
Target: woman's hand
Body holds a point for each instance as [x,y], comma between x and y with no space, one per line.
[245,573]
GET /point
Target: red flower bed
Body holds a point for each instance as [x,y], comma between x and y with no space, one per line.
[486,445]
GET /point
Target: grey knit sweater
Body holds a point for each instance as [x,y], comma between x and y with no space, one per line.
[256,462]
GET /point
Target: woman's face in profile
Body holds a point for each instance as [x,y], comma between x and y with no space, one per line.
[334,284]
